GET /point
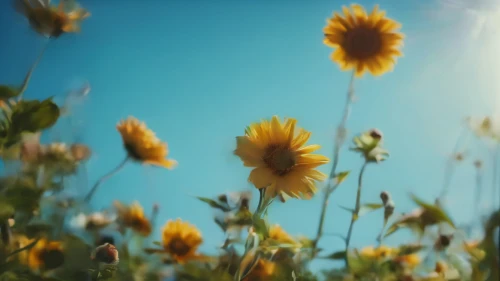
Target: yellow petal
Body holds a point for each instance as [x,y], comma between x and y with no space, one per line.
[261,177]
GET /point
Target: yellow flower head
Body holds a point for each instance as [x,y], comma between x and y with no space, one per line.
[409,261]
[51,21]
[133,217]
[280,235]
[142,144]
[262,271]
[377,253]
[46,255]
[281,161]
[181,240]
[441,268]
[363,42]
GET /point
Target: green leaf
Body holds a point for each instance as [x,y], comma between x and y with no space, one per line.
[261,228]
[157,243]
[6,210]
[37,229]
[434,214]
[33,116]
[369,207]
[7,92]
[23,197]
[340,255]
[350,210]
[213,204]
[341,177]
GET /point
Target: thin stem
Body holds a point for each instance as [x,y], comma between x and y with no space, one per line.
[495,176]
[477,194]
[30,72]
[450,167]
[104,178]
[356,211]
[339,141]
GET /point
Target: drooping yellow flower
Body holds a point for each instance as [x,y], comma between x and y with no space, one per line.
[278,234]
[363,42]
[377,253]
[133,217]
[262,271]
[142,144]
[181,240]
[51,21]
[46,255]
[281,161]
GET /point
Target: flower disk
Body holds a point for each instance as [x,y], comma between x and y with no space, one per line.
[181,240]
[363,42]
[46,255]
[282,163]
[142,144]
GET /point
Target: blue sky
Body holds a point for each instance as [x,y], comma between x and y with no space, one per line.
[198,72]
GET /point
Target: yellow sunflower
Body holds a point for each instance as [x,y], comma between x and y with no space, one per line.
[281,161]
[51,21]
[133,217]
[263,270]
[181,240]
[46,255]
[363,42]
[381,252]
[409,261]
[142,144]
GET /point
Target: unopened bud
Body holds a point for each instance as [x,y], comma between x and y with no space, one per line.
[106,253]
[80,152]
[156,207]
[222,198]
[385,196]
[376,134]
[478,164]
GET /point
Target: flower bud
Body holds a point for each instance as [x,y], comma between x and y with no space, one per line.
[376,134]
[80,152]
[222,198]
[107,254]
[385,196]
[478,164]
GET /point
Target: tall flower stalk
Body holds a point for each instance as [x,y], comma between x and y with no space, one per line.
[107,176]
[363,43]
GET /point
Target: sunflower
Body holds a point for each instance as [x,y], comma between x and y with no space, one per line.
[281,161]
[263,270]
[380,252]
[409,261]
[142,144]
[46,255]
[363,42]
[181,240]
[51,21]
[133,217]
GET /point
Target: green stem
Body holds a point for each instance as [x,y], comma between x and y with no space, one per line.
[104,178]
[30,72]
[339,141]
[356,211]
[450,165]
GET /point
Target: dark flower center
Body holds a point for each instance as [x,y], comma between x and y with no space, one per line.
[362,42]
[132,152]
[279,159]
[178,247]
[52,258]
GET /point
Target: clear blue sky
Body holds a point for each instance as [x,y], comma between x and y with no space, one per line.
[199,71]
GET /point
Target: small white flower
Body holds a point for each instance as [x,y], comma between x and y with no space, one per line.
[92,221]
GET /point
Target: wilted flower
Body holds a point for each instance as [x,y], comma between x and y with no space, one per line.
[142,144]
[281,161]
[106,253]
[46,255]
[363,42]
[50,21]
[133,217]
[181,240]
[369,144]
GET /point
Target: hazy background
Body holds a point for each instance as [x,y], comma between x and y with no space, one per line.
[197,72]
